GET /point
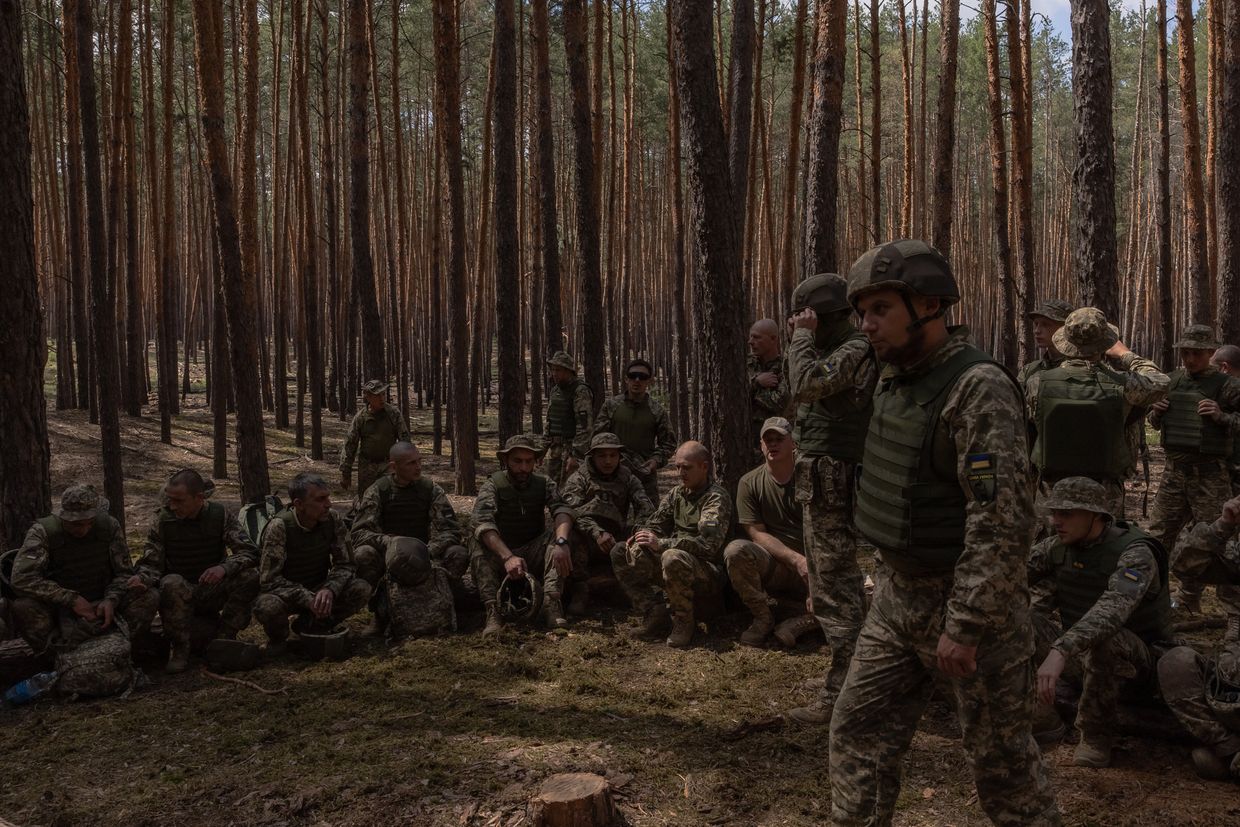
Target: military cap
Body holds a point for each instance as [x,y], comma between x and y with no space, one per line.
[1198,337]
[80,502]
[906,265]
[824,293]
[1056,310]
[777,423]
[527,441]
[1078,494]
[603,440]
[1085,335]
[375,386]
[562,359]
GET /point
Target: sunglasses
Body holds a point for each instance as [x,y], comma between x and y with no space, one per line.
[639,377]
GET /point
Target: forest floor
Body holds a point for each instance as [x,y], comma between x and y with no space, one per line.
[461,731]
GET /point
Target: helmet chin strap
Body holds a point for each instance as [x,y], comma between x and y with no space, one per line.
[920,321]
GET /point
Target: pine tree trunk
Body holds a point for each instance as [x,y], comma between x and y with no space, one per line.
[1229,177]
[876,124]
[998,170]
[740,96]
[1021,171]
[310,364]
[1165,300]
[507,262]
[945,129]
[787,249]
[540,32]
[821,217]
[359,191]
[74,196]
[1200,289]
[680,319]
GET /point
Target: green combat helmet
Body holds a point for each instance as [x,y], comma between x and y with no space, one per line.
[908,266]
[823,293]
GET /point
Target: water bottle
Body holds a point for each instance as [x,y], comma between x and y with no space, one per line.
[31,688]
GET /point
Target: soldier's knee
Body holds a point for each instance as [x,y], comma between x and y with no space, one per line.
[268,607]
[175,587]
[737,551]
[245,583]
[676,562]
[356,593]
[455,560]
[619,556]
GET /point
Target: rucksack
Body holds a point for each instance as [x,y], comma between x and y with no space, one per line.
[421,610]
[254,516]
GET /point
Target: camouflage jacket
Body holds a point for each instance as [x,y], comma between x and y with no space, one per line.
[29,577]
[1144,383]
[349,449]
[1122,597]
[618,499]
[1218,543]
[697,522]
[243,554]
[271,566]
[484,507]
[813,375]
[766,402]
[665,437]
[368,523]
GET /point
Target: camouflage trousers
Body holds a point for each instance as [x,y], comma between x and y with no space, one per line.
[555,466]
[1115,661]
[1197,493]
[372,562]
[1185,678]
[42,624]
[179,600]
[489,572]
[755,574]
[273,611]
[682,577]
[648,479]
[886,691]
[836,585]
[367,473]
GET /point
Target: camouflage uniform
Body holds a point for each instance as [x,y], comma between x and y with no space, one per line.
[604,504]
[651,438]
[692,527]
[372,539]
[1110,640]
[53,569]
[765,402]
[371,435]
[168,564]
[1056,310]
[570,420]
[283,596]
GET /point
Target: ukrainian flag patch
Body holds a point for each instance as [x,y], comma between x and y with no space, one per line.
[980,473]
[1132,574]
[979,462]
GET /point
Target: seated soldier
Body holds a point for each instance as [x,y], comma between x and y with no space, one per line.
[511,538]
[1108,579]
[72,573]
[607,499]
[201,562]
[1204,693]
[305,567]
[678,548]
[403,503]
[773,558]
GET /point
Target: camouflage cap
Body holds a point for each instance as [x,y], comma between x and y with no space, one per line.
[80,502]
[777,423]
[527,441]
[375,386]
[1078,494]
[1198,337]
[602,440]
[1056,310]
[1085,335]
[562,359]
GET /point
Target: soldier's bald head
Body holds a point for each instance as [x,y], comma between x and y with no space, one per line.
[766,327]
[693,451]
[764,339]
[403,449]
[1227,359]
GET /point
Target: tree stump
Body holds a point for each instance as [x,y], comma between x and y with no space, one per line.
[574,799]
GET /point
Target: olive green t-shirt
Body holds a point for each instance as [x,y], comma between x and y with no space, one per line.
[760,499]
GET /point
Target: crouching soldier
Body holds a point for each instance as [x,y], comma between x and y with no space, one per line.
[305,568]
[201,562]
[511,537]
[607,500]
[1109,583]
[71,576]
[405,505]
[679,548]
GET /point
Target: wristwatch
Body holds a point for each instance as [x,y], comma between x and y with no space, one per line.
[560,541]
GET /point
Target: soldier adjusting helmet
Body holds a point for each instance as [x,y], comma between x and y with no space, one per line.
[823,293]
[1085,335]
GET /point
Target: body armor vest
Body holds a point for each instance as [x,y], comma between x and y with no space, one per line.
[1183,429]
[192,546]
[1081,425]
[406,510]
[1083,574]
[378,435]
[80,564]
[636,428]
[519,511]
[608,503]
[909,501]
[561,419]
[308,554]
[834,426]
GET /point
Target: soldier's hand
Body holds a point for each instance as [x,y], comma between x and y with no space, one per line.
[807,319]
[83,608]
[767,379]
[1162,406]
[1208,408]
[135,584]
[651,465]
[345,481]
[321,606]
[562,560]
[1118,350]
[1048,676]
[571,466]
[803,568]
[514,566]
[955,659]
[605,541]
[212,576]
[1231,511]
[646,540]
[104,611]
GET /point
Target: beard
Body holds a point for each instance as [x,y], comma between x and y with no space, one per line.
[907,353]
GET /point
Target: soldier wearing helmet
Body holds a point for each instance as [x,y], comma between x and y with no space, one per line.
[945,496]
[831,376]
[1107,579]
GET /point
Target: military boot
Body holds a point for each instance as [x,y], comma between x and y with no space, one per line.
[579,603]
[1232,633]
[178,658]
[1048,727]
[1188,600]
[654,620]
[494,621]
[1093,751]
[759,630]
[1209,766]
[376,627]
[791,629]
[815,714]
[553,612]
[682,630]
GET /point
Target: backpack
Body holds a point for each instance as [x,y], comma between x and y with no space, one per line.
[422,610]
[254,516]
[98,667]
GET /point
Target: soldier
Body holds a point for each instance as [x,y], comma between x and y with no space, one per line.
[767,508]
[945,496]
[831,374]
[1046,318]
[1204,693]
[1081,408]
[511,537]
[1227,360]
[71,577]
[305,568]
[372,433]
[570,418]
[1108,581]
[678,548]
[768,395]
[606,500]
[642,425]
[1199,420]
[201,562]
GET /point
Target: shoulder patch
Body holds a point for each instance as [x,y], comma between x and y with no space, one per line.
[980,474]
[1131,574]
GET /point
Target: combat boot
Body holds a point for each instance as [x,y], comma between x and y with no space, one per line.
[1232,633]
[579,603]
[1093,751]
[759,630]
[1209,766]
[553,612]
[815,714]
[494,621]
[791,629]
[682,630]
[178,658]
[1048,727]
[1188,601]
[654,620]
[376,627]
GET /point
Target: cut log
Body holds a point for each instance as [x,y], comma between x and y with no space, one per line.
[574,799]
